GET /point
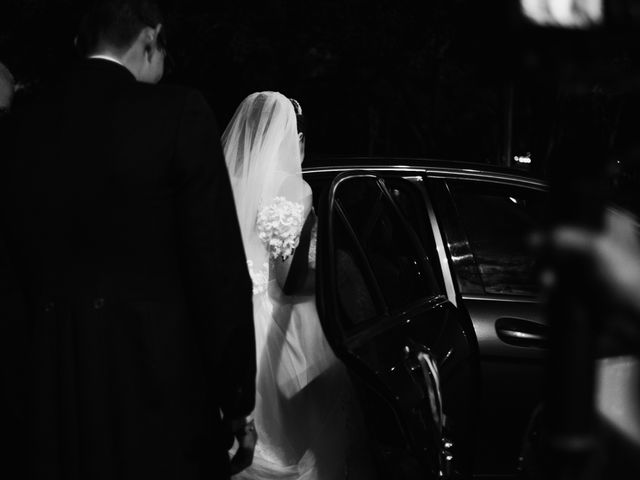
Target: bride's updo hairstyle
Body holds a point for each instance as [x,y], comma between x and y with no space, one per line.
[299,125]
[263,157]
[299,116]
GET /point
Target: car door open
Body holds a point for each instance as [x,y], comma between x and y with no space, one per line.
[408,350]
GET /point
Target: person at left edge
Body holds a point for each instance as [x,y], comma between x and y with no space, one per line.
[12,324]
[124,233]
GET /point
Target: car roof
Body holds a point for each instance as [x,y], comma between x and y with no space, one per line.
[436,167]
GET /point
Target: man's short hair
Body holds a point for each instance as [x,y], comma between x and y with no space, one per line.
[115,23]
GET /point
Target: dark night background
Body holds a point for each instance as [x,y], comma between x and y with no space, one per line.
[438,79]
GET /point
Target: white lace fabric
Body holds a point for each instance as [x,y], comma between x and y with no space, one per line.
[313,246]
[279,225]
[259,277]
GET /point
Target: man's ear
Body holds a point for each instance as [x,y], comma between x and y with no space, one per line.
[157,31]
[147,34]
[149,38]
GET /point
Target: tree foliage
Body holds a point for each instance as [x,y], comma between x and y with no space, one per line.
[374,77]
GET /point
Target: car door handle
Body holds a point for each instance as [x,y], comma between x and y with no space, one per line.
[522,333]
[419,359]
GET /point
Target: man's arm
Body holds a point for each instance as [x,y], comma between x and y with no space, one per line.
[218,282]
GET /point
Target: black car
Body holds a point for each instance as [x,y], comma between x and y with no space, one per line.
[427,291]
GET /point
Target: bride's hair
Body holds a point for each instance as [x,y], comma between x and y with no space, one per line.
[299,116]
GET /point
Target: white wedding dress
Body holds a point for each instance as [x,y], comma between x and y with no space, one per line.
[304,398]
[305,414]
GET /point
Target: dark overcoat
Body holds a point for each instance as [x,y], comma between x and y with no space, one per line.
[122,229]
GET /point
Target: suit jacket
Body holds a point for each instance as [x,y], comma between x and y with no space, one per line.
[12,336]
[122,227]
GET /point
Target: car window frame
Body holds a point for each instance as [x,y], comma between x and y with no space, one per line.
[388,316]
[329,202]
[378,297]
[424,233]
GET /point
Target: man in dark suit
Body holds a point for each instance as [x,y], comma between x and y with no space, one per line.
[124,232]
[6,89]
[11,309]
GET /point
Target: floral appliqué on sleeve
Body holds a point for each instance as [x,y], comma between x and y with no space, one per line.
[279,225]
[313,246]
[259,277]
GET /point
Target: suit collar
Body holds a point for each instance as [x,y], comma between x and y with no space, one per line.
[108,68]
[106,57]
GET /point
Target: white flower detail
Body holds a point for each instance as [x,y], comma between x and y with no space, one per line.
[279,225]
[313,246]
[259,278]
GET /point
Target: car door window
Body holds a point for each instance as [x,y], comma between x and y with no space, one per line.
[372,234]
[409,199]
[497,219]
[358,294]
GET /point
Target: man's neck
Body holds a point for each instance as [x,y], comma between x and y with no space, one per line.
[123,61]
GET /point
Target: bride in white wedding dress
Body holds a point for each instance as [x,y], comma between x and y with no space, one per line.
[305,416]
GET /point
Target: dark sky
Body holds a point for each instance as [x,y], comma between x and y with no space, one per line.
[374,77]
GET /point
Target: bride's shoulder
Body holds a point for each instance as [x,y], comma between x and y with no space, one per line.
[306,189]
[294,188]
[287,180]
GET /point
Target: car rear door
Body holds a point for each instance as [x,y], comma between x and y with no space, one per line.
[486,221]
[410,354]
